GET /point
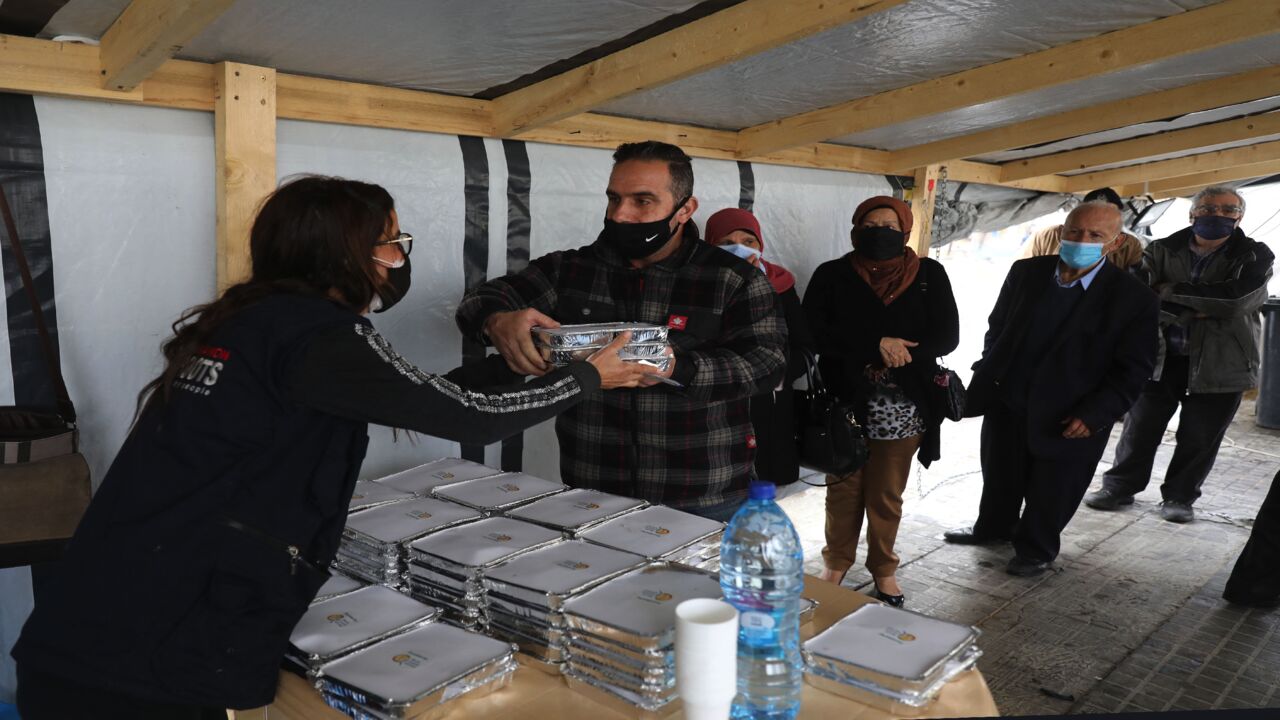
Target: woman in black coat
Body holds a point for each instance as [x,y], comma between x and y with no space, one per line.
[881,316]
[773,412]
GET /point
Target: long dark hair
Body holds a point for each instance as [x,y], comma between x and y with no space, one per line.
[313,236]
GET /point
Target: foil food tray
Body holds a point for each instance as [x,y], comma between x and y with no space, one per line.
[423,479]
[545,578]
[658,675]
[631,352]
[337,584]
[466,550]
[416,672]
[898,651]
[386,527]
[653,685]
[499,492]
[370,494]
[900,704]
[622,700]
[597,334]
[576,510]
[638,609]
[658,532]
[344,624]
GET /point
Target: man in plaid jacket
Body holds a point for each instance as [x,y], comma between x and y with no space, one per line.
[688,447]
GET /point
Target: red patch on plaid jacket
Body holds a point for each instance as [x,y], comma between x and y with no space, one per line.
[751,441]
[677,322]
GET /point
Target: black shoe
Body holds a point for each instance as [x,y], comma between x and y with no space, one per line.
[1022,567]
[966,536]
[1177,512]
[1105,499]
[884,597]
[1250,600]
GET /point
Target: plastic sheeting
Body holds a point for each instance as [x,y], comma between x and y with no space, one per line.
[962,209]
[910,43]
[452,46]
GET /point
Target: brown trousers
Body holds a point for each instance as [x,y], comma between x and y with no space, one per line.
[876,491]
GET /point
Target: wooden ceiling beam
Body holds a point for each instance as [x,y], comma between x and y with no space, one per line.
[1204,95]
[148,33]
[1187,184]
[1189,165]
[739,31]
[1200,136]
[1224,23]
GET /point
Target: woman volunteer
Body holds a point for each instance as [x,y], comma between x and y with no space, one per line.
[214,525]
[882,316]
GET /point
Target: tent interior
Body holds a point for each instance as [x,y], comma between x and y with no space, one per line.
[137,137]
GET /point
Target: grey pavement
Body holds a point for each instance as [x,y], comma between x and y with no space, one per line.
[1131,619]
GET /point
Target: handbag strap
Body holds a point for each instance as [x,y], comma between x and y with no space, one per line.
[812,376]
[65,408]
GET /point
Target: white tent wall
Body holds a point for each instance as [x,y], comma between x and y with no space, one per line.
[132,216]
[131,211]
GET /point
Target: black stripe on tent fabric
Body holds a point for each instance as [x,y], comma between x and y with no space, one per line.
[671,22]
[519,227]
[22,174]
[746,186]
[27,17]
[475,244]
[899,185]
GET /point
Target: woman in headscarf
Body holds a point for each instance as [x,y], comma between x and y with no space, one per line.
[772,413]
[881,316]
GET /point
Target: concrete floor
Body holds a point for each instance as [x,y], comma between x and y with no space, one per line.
[1132,618]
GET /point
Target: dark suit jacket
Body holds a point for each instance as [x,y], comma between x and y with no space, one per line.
[1095,367]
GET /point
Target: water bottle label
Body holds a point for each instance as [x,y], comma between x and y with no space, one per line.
[757,625]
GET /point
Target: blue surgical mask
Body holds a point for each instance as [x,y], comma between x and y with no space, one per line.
[1080,255]
[1213,227]
[743,252]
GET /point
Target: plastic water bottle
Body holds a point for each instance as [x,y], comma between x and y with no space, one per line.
[762,574]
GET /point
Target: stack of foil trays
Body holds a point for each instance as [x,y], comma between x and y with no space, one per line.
[446,567]
[414,674]
[663,533]
[621,635]
[341,625]
[527,593]
[895,660]
[499,493]
[562,345]
[375,543]
[574,511]
[370,494]
[423,479]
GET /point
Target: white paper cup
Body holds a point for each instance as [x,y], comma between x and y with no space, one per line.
[706,658]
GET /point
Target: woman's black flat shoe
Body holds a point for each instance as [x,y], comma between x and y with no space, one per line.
[884,597]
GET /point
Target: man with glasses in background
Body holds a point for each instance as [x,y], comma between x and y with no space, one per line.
[1212,281]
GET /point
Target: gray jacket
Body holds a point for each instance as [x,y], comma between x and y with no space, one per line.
[1222,310]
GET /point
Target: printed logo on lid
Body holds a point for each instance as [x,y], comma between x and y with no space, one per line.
[420,514]
[509,487]
[409,659]
[498,537]
[897,635]
[341,619]
[586,506]
[443,475]
[573,565]
[656,530]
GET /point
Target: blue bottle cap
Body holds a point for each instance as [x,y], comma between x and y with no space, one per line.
[761,490]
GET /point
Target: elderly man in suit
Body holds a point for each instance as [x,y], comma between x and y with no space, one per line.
[1071,341]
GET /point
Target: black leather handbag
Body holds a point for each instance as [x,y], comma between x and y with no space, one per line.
[828,436]
[949,393]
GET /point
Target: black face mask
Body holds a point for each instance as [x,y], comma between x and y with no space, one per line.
[634,241]
[879,243]
[398,280]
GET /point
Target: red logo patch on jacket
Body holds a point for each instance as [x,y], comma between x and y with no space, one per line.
[751,441]
[677,322]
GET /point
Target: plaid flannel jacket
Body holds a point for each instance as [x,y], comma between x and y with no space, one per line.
[688,448]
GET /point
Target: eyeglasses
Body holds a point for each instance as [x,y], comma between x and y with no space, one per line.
[404,240]
[1223,210]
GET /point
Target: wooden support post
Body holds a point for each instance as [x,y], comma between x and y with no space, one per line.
[923,195]
[245,150]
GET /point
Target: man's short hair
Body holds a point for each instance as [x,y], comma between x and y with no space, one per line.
[1217,190]
[1105,194]
[678,163]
